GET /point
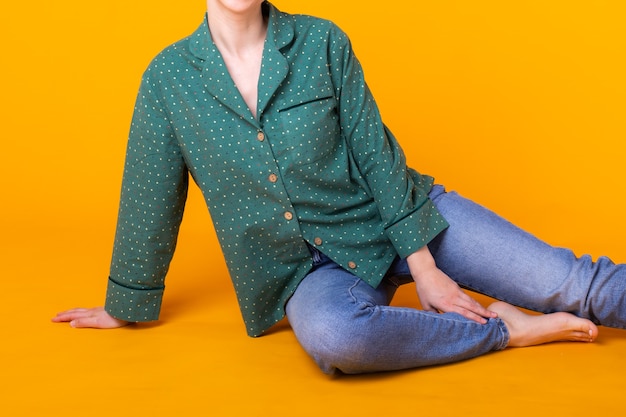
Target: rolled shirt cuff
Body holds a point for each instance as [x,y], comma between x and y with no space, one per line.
[132,304]
[416,230]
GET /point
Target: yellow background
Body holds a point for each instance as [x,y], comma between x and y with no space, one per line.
[519,105]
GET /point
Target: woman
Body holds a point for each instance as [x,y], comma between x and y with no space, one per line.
[317,214]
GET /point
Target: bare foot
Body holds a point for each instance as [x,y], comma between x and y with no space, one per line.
[528,330]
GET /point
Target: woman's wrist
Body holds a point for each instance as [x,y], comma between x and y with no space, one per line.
[420,261]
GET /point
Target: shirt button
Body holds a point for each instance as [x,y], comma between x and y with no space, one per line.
[317,241]
[273,177]
[260,136]
[288,215]
[352,265]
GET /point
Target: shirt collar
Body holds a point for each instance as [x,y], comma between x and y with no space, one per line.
[280,31]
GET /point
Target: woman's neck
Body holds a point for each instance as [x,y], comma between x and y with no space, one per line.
[236,29]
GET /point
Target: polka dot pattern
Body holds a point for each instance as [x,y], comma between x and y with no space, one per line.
[315,167]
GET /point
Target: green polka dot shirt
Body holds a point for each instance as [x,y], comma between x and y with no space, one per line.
[316,166]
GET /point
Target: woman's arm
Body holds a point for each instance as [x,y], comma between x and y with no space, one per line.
[408,216]
[154,190]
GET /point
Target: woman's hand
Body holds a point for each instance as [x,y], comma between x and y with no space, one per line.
[96,318]
[438,292]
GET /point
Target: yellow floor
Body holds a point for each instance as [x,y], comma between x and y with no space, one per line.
[198,360]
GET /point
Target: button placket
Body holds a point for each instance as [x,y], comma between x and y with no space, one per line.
[274,178]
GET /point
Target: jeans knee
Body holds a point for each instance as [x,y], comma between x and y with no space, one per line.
[334,352]
[343,346]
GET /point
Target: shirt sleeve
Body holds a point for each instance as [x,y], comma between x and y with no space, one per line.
[154,190]
[409,217]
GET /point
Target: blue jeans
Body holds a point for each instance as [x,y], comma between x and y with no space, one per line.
[344,324]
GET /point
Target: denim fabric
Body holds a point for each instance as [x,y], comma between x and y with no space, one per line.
[346,325]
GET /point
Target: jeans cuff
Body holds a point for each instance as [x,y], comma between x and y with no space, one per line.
[505,336]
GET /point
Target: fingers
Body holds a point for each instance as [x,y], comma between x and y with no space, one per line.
[460,304]
[88,317]
[69,315]
[473,310]
[473,316]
